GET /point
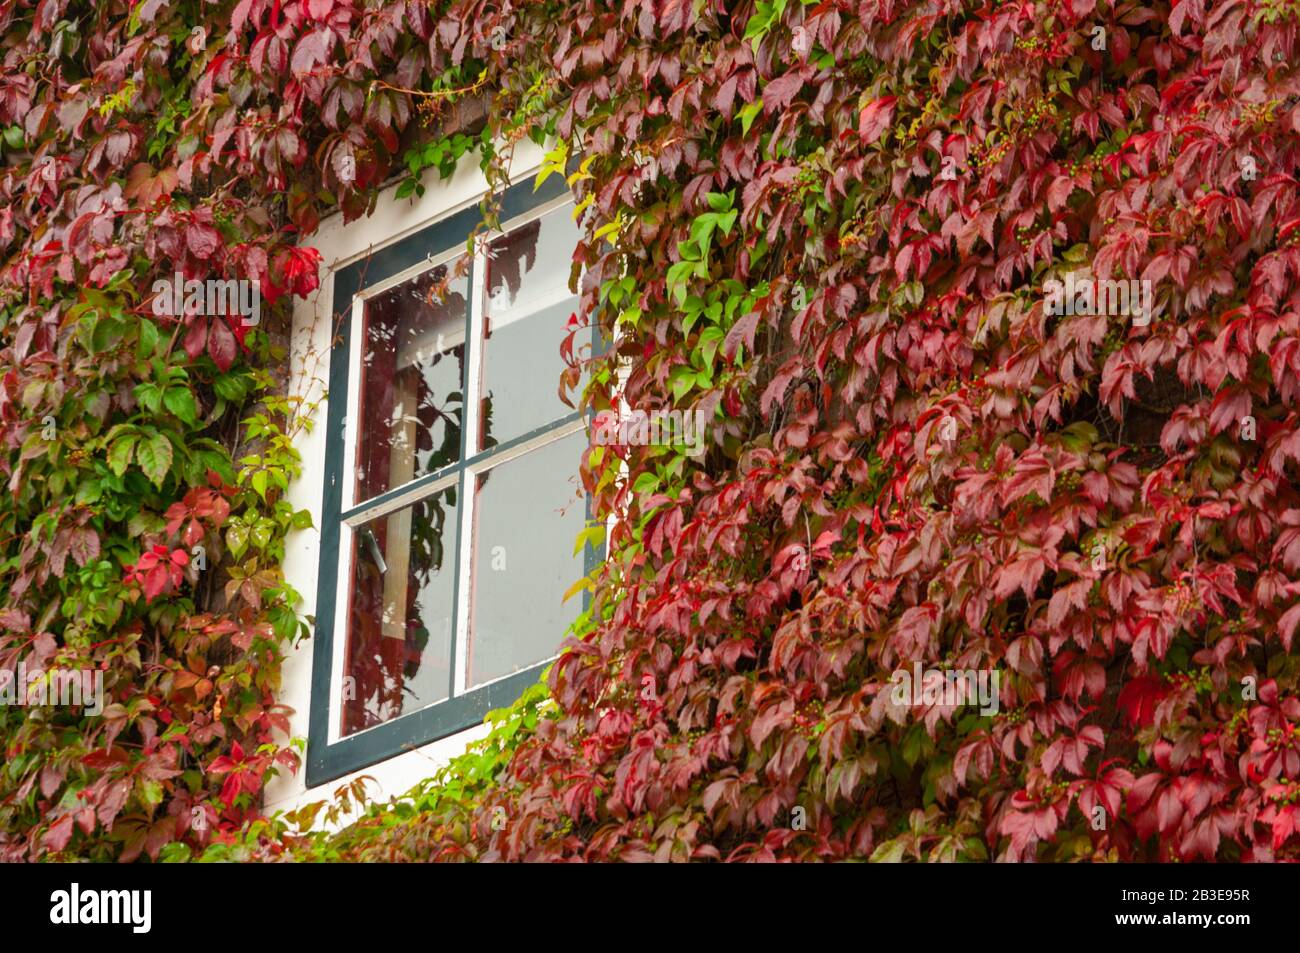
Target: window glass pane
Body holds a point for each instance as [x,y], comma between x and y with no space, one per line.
[528,307]
[412,370]
[400,619]
[528,516]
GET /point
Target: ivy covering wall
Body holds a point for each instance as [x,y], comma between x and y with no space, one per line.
[831,227]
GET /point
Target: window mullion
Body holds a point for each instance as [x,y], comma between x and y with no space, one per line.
[402,497]
[470,437]
[338,655]
[347,496]
[352,413]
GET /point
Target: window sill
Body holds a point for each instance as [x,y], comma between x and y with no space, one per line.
[328,762]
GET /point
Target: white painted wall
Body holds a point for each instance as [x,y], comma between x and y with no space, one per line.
[313,323]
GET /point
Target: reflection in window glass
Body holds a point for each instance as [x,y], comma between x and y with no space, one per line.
[527,518]
[411,381]
[528,307]
[405,646]
[400,623]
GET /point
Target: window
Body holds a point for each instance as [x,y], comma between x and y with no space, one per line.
[451,502]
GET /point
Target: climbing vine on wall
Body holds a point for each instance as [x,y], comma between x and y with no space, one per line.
[834,229]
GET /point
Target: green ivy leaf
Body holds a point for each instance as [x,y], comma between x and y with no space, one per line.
[150,397]
[147,342]
[233,387]
[237,539]
[108,332]
[710,340]
[151,792]
[121,452]
[155,458]
[890,852]
[263,531]
[683,381]
[180,401]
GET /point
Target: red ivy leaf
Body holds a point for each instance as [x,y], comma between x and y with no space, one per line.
[57,837]
[875,118]
[1138,699]
[221,345]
